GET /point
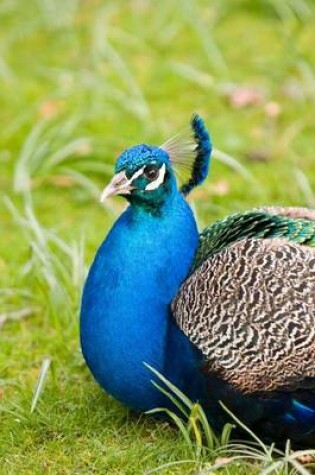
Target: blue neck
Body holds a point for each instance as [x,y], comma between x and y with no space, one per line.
[125,316]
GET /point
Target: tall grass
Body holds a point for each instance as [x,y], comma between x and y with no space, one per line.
[55,270]
[204,444]
[49,153]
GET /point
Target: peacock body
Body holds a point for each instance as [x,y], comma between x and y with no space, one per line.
[227,315]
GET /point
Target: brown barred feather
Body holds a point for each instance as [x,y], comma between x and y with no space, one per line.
[250,309]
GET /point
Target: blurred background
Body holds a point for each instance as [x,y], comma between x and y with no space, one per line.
[81,81]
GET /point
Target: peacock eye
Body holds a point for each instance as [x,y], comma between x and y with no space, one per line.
[151,172]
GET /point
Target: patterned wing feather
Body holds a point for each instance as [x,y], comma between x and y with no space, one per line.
[293,224]
[250,309]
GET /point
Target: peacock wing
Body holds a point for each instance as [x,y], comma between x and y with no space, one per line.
[250,309]
[293,224]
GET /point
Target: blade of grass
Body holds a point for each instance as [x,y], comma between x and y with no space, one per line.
[40,383]
[179,423]
[243,426]
[231,162]
[172,398]
[181,396]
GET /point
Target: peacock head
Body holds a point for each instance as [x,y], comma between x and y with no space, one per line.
[146,175]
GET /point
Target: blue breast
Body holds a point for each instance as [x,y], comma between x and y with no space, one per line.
[125,314]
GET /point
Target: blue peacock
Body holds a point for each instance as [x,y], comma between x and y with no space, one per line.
[227,314]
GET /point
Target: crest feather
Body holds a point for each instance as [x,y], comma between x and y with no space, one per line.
[189,153]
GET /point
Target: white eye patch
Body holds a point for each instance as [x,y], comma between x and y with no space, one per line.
[160,179]
[136,174]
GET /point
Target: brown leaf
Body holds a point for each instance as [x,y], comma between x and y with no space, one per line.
[272,109]
[258,155]
[49,109]
[220,188]
[245,96]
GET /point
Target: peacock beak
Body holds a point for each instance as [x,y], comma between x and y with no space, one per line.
[119,185]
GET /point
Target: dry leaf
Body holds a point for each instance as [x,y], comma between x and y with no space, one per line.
[49,109]
[272,109]
[245,96]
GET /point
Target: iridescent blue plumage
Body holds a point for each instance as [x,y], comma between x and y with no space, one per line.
[136,157]
[125,316]
[230,334]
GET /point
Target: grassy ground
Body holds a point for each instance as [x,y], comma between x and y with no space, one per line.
[80,81]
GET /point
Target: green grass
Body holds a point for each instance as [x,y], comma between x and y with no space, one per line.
[80,81]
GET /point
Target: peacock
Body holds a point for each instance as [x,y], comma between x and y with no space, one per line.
[226,315]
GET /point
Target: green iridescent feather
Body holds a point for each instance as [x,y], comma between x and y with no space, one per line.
[257,223]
